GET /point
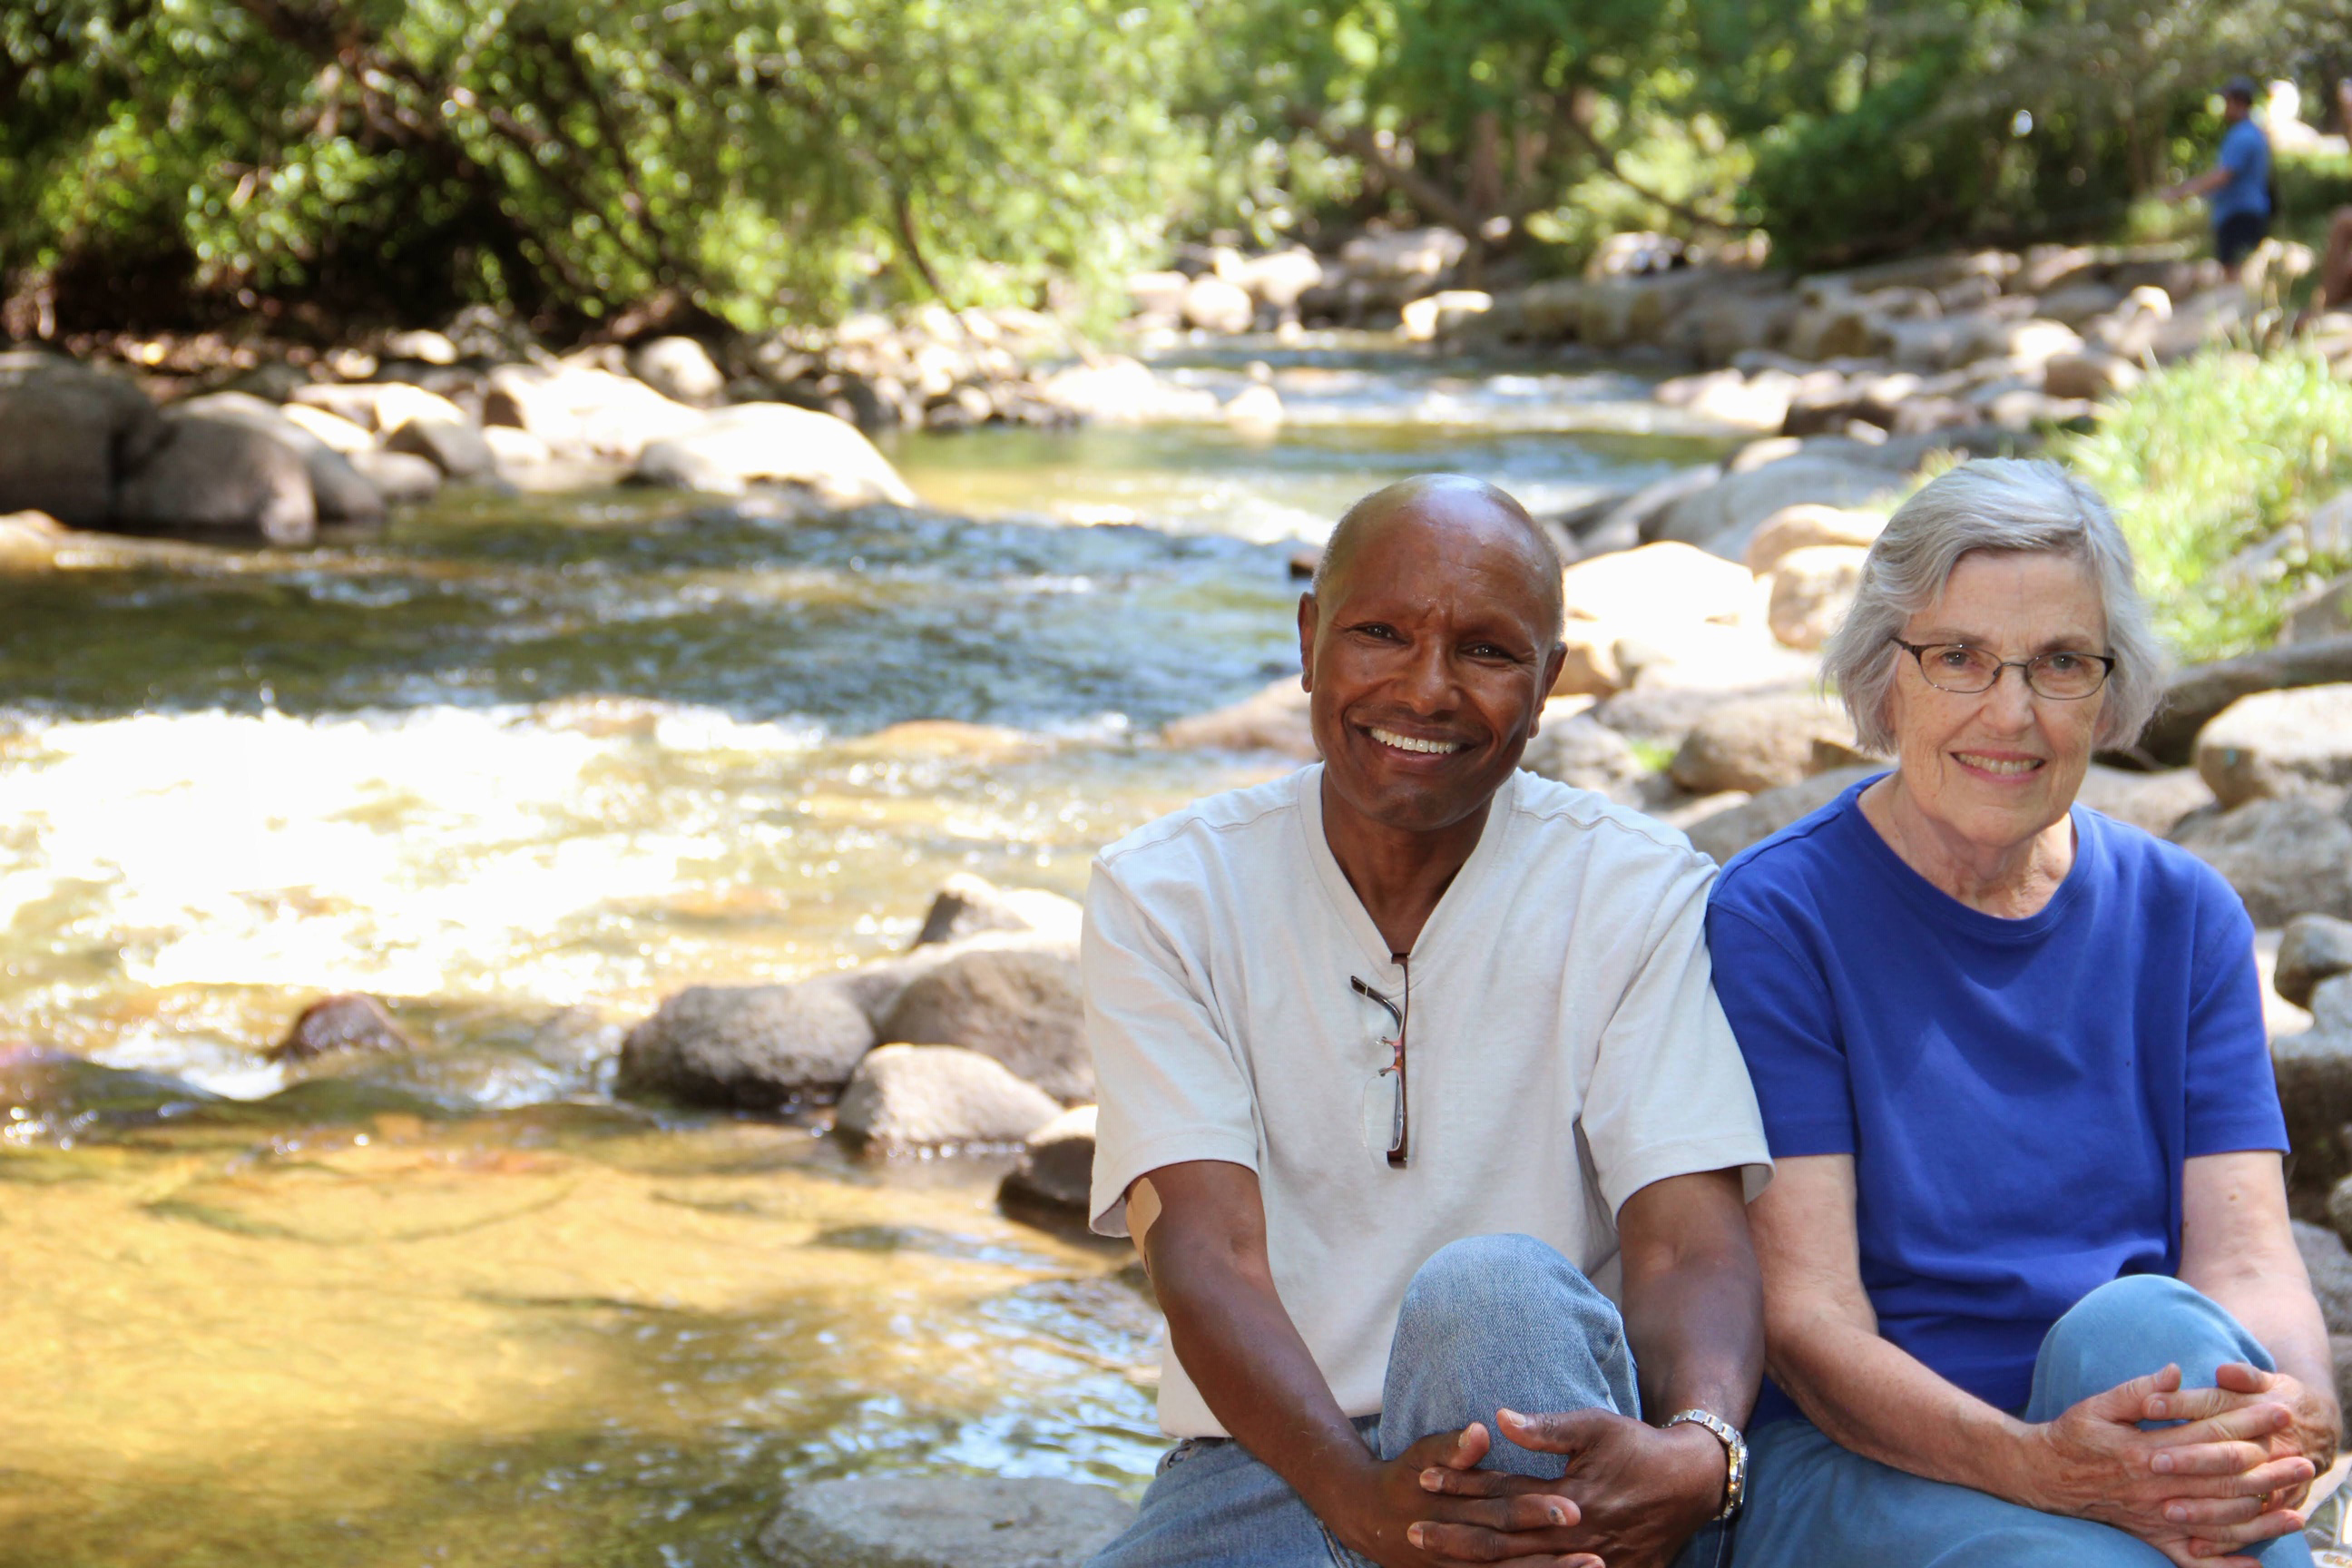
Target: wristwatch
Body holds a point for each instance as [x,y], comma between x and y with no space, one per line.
[1735,1456]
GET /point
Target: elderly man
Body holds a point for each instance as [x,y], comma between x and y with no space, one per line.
[1417,1100]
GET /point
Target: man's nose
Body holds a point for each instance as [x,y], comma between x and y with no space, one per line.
[1428,678]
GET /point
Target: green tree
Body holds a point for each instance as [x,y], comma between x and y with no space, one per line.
[755,160]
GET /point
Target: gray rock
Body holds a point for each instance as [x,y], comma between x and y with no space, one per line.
[401,477]
[2279,743]
[1021,1007]
[212,474]
[967,905]
[943,1521]
[2327,1263]
[1057,1168]
[2313,948]
[2331,1003]
[2322,612]
[933,1096]
[1758,743]
[679,368]
[1746,499]
[2285,857]
[2154,802]
[1631,520]
[757,1047]
[66,432]
[1585,752]
[341,492]
[1663,715]
[2197,694]
[455,447]
[2314,1086]
[773,442]
[352,1022]
[1727,833]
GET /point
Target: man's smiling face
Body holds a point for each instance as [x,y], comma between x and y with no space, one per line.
[1429,652]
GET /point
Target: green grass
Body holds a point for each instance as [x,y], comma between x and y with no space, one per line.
[2207,458]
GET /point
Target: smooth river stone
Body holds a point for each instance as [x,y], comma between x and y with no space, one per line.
[943,1521]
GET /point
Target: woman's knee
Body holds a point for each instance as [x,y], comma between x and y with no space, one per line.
[2130,1327]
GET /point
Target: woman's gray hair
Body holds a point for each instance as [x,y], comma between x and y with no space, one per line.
[2001,504]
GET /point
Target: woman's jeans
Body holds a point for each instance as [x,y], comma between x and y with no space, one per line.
[1812,1504]
[1488,1323]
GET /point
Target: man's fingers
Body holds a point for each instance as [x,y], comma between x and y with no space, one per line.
[1476,1543]
[1442,1483]
[1530,1511]
[1450,1450]
[1558,1432]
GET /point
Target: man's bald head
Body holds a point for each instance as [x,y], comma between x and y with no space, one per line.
[1442,501]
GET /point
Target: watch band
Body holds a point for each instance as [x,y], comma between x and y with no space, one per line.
[1735,1455]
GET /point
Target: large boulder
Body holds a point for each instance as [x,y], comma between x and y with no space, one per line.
[1758,743]
[2313,948]
[2279,743]
[1727,833]
[29,541]
[456,447]
[757,1047]
[1277,280]
[1807,526]
[1215,305]
[1813,588]
[382,406]
[2154,803]
[2286,857]
[1116,390]
[938,1097]
[1660,594]
[2326,1262]
[1582,752]
[679,368]
[581,411]
[2200,693]
[341,492]
[2314,1088]
[775,443]
[1019,1005]
[400,478]
[1057,1165]
[66,432]
[212,474]
[943,1521]
[1743,501]
[1275,720]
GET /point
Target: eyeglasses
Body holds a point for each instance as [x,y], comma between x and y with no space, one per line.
[1400,1119]
[1956,667]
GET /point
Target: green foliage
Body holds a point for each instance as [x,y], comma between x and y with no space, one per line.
[2208,459]
[757,160]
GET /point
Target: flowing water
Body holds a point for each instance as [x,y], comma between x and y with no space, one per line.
[522,765]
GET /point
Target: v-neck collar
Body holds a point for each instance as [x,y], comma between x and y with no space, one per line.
[1429,947]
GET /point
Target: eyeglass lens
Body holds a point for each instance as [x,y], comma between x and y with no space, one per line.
[2065,676]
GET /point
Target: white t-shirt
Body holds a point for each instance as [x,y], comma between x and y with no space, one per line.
[1564,1047]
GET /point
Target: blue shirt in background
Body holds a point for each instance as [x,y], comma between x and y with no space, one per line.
[2246,154]
[2018,1095]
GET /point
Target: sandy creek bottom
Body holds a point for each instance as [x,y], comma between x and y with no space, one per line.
[558,1335]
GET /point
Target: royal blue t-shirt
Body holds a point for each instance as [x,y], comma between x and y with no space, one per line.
[2246,154]
[2018,1095]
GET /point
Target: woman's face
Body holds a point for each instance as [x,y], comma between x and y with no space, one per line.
[1998,767]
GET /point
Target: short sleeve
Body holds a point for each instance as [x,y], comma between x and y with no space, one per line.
[1788,1030]
[1170,1085]
[2233,1102]
[1668,1094]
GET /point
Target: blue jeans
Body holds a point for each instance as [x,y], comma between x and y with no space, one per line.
[1812,1504]
[1488,1322]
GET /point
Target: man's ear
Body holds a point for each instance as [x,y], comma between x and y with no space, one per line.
[1310,612]
[1551,667]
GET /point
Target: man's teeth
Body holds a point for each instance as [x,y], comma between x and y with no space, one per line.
[2001,764]
[1411,743]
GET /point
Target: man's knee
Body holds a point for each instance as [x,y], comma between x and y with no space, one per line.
[1481,1277]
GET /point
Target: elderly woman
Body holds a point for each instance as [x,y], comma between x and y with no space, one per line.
[2031,1293]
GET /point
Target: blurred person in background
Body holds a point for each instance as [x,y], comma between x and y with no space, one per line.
[2236,189]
